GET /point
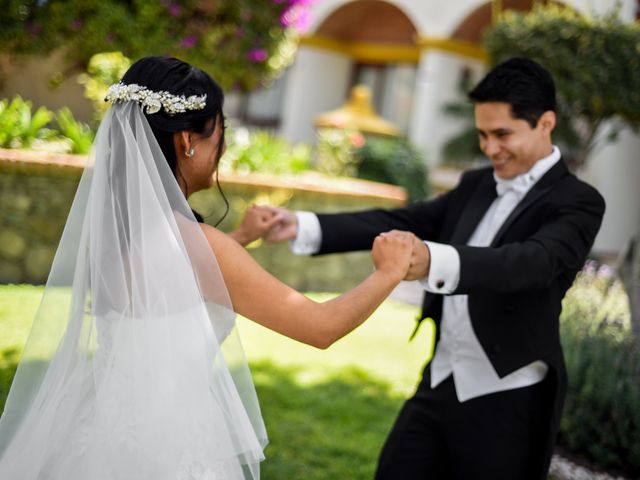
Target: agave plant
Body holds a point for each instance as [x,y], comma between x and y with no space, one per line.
[19,126]
[79,135]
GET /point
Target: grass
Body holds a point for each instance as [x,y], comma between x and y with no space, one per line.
[327,411]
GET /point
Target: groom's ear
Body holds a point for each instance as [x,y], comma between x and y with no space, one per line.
[547,121]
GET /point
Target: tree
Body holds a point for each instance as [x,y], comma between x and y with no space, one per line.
[242,43]
[595,63]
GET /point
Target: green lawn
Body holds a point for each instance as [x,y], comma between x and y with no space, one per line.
[327,411]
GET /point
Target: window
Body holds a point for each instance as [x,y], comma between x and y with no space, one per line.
[392,87]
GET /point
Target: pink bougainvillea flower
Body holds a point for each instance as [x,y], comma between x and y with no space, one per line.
[34,29]
[357,140]
[188,42]
[257,55]
[297,16]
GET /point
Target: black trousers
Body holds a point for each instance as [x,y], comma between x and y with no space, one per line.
[500,436]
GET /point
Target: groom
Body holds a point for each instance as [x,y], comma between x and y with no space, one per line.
[496,255]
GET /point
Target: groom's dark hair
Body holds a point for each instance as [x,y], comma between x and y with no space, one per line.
[522,83]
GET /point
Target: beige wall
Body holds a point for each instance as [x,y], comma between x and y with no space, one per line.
[30,79]
[36,191]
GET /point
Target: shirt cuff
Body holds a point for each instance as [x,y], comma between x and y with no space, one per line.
[444,272]
[309,238]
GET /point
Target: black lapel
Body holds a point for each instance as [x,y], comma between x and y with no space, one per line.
[541,187]
[476,207]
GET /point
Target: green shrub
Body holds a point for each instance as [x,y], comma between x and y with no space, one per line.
[104,69]
[345,152]
[79,135]
[394,161]
[594,62]
[336,151]
[601,418]
[19,126]
[260,151]
[243,43]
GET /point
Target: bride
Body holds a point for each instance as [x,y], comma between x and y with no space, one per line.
[133,368]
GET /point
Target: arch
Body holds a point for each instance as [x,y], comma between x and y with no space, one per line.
[473,26]
[369,21]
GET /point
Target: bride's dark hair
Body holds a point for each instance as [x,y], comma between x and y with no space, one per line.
[179,78]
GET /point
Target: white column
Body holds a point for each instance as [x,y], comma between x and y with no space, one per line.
[318,82]
[437,84]
[615,171]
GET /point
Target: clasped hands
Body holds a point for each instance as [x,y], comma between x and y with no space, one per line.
[275,224]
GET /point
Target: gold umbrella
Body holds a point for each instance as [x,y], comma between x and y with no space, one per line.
[358,114]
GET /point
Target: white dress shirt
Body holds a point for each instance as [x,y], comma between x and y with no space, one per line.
[309,238]
[459,352]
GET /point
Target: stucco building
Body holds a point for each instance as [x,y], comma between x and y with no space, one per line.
[414,55]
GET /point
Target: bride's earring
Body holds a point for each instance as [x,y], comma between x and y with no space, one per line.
[189,153]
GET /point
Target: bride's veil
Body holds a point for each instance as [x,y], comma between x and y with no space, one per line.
[133,368]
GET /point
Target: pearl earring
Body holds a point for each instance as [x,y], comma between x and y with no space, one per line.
[190,152]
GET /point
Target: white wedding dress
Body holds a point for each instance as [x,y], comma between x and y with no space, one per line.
[133,369]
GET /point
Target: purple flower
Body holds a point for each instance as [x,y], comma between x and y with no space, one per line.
[286,19]
[34,30]
[76,24]
[301,3]
[605,271]
[174,10]
[257,55]
[188,42]
[590,267]
[297,17]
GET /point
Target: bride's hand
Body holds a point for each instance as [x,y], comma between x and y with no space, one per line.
[257,222]
[392,251]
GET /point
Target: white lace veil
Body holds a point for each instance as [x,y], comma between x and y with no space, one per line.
[133,368]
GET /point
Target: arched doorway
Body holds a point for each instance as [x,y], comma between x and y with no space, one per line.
[378,41]
[369,21]
[473,26]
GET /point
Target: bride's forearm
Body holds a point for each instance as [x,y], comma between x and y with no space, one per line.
[259,296]
[239,236]
[337,317]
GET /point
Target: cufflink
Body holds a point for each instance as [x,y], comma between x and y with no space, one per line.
[439,283]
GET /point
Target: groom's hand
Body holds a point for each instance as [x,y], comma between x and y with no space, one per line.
[257,222]
[420,260]
[286,228]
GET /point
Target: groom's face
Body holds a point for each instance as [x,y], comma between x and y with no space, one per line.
[511,144]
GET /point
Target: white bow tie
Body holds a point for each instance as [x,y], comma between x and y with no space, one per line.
[520,184]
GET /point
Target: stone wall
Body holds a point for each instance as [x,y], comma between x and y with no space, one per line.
[36,191]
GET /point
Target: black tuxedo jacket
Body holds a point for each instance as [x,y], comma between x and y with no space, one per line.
[516,285]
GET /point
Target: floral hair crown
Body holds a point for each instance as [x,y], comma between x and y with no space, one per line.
[151,101]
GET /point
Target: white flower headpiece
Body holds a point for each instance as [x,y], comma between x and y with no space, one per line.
[151,101]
